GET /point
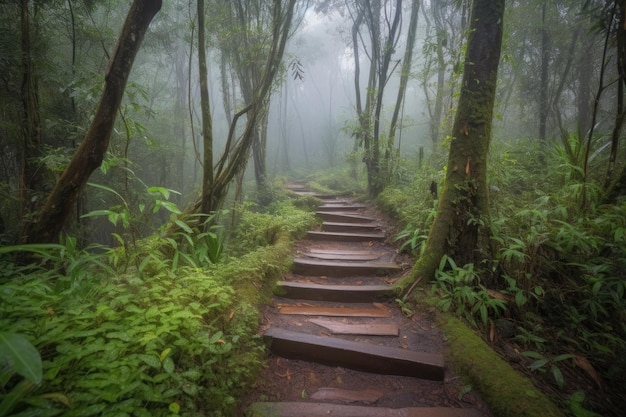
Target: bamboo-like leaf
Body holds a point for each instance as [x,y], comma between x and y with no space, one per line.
[22,356]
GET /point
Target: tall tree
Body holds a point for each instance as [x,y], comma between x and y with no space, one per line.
[31,178]
[446,24]
[239,145]
[459,227]
[376,30]
[89,155]
[404,80]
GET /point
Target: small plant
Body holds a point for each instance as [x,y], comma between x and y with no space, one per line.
[413,239]
[17,356]
[542,363]
[460,289]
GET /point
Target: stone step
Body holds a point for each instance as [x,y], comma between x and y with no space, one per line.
[350,227]
[345,237]
[369,329]
[345,217]
[342,255]
[334,293]
[309,409]
[336,311]
[329,268]
[355,355]
[341,207]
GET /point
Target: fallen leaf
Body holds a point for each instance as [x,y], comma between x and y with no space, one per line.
[584,364]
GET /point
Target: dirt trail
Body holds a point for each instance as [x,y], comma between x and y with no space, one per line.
[340,345]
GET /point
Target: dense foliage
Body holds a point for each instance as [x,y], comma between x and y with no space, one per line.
[158,339]
[551,294]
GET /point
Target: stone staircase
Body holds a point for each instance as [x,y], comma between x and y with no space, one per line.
[336,309]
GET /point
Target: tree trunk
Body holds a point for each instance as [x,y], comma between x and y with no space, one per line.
[237,149]
[460,224]
[207,128]
[620,113]
[32,175]
[543,88]
[404,78]
[90,153]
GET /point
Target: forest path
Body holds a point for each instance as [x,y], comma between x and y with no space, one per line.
[339,343]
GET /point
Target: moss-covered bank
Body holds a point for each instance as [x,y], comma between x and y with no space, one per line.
[507,393]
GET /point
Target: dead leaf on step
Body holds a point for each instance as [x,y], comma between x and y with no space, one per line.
[404,345]
[313,379]
[287,375]
[499,296]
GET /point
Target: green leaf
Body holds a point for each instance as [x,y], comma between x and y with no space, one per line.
[22,356]
[168,365]
[169,206]
[174,408]
[165,354]
[558,375]
[151,360]
[183,226]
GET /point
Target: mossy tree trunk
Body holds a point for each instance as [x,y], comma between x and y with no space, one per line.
[89,155]
[460,225]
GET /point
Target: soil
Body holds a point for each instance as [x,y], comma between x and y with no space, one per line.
[294,380]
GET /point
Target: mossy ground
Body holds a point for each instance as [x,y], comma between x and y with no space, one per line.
[508,393]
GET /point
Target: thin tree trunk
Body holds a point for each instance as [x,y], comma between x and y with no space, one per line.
[620,112]
[207,128]
[90,153]
[459,227]
[543,88]
[404,78]
[32,175]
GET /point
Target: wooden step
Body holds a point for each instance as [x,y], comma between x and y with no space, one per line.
[355,355]
[343,255]
[329,268]
[297,186]
[314,194]
[345,237]
[369,329]
[337,216]
[300,409]
[350,227]
[336,311]
[341,207]
[334,293]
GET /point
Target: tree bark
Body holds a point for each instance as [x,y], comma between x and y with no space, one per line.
[90,153]
[205,106]
[460,224]
[32,175]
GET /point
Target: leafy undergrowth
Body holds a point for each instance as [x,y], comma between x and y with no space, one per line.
[154,340]
[550,296]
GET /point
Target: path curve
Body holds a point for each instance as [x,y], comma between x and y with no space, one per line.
[339,343]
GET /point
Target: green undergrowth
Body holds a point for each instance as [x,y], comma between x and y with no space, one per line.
[551,285]
[154,340]
[507,393]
